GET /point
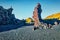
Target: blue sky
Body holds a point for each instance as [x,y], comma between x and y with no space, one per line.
[24,8]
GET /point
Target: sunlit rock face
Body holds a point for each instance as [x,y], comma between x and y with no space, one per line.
[37,14]
[6,16]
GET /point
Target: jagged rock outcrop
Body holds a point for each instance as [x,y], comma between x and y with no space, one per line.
[6,16]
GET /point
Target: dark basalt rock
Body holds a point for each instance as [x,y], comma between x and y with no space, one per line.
[8,20]
[6,16]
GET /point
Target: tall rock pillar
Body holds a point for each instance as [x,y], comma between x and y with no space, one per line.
[37,15]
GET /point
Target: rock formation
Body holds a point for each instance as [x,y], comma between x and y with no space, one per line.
[37,14]
[6,16]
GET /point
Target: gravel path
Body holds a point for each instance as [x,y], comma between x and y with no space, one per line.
[26,33]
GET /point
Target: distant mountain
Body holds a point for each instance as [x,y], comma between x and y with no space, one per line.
[29,20]
[54,16]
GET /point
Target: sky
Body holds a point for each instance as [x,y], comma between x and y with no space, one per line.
[24,8]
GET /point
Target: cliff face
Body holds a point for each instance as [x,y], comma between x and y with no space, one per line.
[54,16]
